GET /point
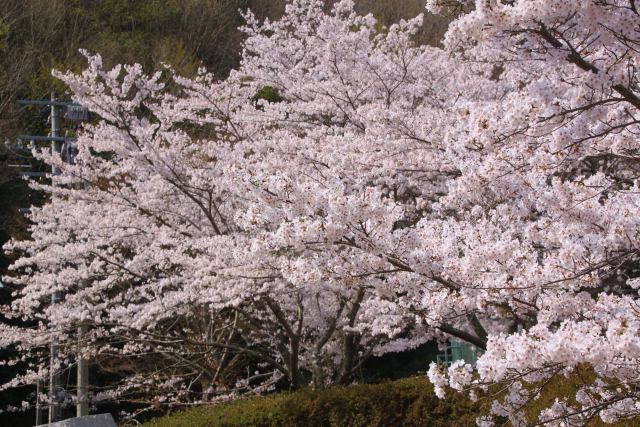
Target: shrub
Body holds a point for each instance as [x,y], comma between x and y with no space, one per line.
[406,402]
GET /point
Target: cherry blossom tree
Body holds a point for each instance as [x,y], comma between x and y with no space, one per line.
[546,229]
[203,227]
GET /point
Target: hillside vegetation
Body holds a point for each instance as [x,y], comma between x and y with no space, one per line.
[184,33]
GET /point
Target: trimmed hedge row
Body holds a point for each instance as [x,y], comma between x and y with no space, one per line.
[407,402]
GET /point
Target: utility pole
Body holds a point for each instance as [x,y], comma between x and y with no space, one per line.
[55,388]
[54,375]
[39,386]
[82,403]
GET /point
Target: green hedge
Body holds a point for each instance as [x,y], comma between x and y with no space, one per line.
[406,402]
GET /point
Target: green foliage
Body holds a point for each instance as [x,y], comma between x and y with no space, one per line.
[406,402]
[270,94]
[560,387]
[389,12]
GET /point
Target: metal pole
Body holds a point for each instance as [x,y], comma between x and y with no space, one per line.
[82,405]
[38,403]
[55,132]
[54,376]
